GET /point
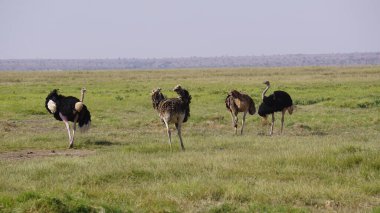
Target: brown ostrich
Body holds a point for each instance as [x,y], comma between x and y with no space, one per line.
[239,102]
[173,110]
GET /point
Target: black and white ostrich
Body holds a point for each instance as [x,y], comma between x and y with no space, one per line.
[279,101]
[69,109]
[173,110]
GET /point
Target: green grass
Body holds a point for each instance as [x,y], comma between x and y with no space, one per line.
[328,158]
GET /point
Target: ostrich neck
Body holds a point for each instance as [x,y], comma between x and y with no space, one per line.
[157,102]
[82,97]
[263,95]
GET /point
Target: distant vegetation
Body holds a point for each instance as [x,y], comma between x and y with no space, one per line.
[350,59]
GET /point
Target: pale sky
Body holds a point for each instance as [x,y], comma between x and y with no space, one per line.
[69,29]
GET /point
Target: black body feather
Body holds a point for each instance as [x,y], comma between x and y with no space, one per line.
[274,103]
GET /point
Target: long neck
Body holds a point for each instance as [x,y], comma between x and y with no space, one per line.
[82,96]
[184,96]
[156,100]
[266,89]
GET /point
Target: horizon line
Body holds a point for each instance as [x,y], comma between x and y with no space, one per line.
[185,57]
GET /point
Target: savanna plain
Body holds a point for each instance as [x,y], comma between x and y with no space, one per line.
[327,159]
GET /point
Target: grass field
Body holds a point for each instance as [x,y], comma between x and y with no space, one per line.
[328,158]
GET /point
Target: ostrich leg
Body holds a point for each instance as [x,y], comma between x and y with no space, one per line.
[242,122]
[169,133]
[282,120]
[178,126]
[271,127]
[234,121]
[68,131]
[64,119]
[74,128]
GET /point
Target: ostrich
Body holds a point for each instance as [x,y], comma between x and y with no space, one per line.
[239,102]
[69,109]
[276,102]
[173,110]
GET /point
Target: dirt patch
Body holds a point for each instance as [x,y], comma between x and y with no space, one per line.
[30,154]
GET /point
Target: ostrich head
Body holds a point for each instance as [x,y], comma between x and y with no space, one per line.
[267,83]
[291,109]
[157,97]
[264,120]
[82,91]
[177,88]
[183,94]
[158,90]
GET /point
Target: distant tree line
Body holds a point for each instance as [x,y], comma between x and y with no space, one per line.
[348,59]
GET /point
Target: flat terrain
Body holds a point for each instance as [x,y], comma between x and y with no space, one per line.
[327,159]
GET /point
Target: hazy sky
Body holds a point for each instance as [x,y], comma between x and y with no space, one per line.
[175,28]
